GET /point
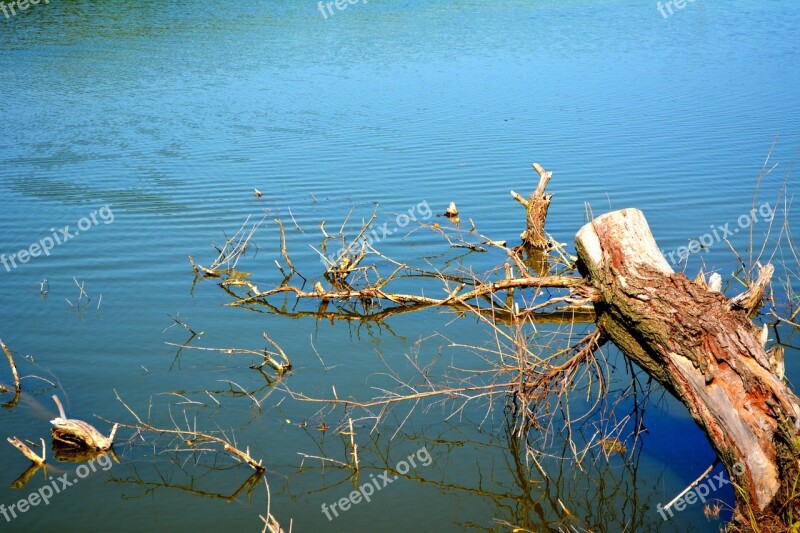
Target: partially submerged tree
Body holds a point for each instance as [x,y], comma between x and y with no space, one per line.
[698,344]
[704,349]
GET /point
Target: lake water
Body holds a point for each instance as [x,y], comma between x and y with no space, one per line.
[171,113]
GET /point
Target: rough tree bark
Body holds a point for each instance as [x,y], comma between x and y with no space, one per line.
[536,206]
[704,349]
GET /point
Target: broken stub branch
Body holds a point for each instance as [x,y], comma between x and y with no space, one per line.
[704,349]
[536,206]
[27,452]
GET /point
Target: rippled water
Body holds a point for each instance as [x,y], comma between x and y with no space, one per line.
[171,113]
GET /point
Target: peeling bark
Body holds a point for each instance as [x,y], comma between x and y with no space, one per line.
[703,348]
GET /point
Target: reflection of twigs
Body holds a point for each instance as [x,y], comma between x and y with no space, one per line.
[693,484]
[394,398]
[184,325]
[583,349]
[185,434]
[353,444]
[248,486]
[280,367]
[271,524]
[26,476]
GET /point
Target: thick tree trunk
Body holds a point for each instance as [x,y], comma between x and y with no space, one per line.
[704,350]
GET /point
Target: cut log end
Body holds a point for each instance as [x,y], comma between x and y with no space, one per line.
[622,238]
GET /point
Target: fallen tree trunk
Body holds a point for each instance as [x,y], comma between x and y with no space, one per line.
[707,352]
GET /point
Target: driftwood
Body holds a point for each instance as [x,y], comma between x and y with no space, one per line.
[78,433]
[703,348]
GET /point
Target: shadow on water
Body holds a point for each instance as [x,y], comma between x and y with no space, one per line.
[150,196]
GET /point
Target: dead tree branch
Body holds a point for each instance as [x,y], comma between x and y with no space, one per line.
[189,436]
[13,366]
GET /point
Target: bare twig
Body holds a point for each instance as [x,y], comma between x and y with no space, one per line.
[191,435]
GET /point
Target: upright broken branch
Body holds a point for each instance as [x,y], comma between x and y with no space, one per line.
[27,452]
[536,207]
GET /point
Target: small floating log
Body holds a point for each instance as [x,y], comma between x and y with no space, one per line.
[78,433]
